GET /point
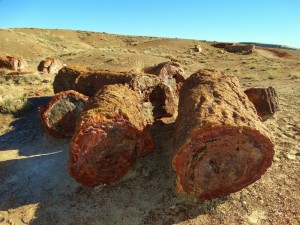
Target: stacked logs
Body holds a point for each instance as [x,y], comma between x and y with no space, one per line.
[220,143]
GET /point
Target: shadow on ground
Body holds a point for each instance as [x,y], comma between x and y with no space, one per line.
[39,176]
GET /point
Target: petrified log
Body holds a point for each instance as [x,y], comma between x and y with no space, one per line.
[240,48]
[164,100]
[167,71]
[110,135]
[59,116]
[15,63]
[220,144]
[66,78]
[86,80]
[89,81]
[221,44]
[50,65]
[265,101]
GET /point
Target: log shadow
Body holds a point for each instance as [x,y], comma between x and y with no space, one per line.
[145,196]
[27,130]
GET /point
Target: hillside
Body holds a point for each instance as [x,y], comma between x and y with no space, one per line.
[36,187]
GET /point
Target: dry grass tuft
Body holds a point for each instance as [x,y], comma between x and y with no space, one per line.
[13,99]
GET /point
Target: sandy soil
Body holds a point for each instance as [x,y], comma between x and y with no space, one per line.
[35,187]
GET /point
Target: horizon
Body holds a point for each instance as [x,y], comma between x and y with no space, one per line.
[273,22]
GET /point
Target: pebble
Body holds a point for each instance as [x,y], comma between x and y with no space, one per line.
[291,157]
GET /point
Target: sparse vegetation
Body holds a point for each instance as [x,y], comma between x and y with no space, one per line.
[13,99]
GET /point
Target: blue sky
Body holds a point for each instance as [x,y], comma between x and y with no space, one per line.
[266,21]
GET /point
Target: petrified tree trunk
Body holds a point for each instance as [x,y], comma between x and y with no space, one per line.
[220,144]
[110,135]
[59,116]
[265,101]
[15,63]
[167,70]
[88,82]
[50,65]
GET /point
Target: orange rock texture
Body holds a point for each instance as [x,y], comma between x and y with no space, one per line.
[110,135]
[220,143]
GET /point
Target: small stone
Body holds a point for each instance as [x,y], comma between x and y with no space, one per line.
[291,157]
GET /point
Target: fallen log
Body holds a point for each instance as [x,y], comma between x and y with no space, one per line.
[240,48]
[59,116]
[15,63]
[50,65]
[220,144]
[167,71]
[265,101]
[89,81]
[110,135]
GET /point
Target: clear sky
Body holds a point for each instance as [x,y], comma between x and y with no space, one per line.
[266,21]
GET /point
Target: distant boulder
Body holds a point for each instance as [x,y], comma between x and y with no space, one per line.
[15,63]
[235,48]
[197,48]
[222,44]
[50,65]
[240,48]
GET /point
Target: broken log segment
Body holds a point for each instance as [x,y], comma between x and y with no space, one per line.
[220,143]
[89,81]
[110,135]
[66,78]
[59,116]
[265,101]
[167,71]
[50,65]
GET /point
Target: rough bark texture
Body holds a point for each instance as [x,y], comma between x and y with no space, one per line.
[13,63]
[265,101]
[66,78]
[220,144]
[59,116]
[50,65]
[110,135]
[165,96]
[88,82]
[167,70]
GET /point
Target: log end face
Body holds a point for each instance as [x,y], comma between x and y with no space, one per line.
[222,161]
[103,152]
[59,116]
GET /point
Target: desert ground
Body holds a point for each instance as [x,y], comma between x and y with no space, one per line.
[35,187]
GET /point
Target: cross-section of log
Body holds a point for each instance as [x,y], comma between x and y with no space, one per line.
[66,78]
[110,135]
[265,101]
[59,116]
[220,144]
